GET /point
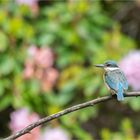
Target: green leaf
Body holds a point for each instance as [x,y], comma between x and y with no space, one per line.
[4,83]
[3,42]
[87,113]
[6,65]
[135,103]
[5,102]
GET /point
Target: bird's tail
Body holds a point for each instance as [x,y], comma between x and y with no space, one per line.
[120,96]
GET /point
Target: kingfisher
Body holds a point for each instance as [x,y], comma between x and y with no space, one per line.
[114,79]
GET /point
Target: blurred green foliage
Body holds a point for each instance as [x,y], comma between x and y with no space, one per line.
[80,34]
[126,132]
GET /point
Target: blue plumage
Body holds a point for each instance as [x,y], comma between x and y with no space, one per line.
[120,96]
[117,82]
[115,79]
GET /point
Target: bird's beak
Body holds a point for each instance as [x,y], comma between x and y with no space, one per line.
[99,65]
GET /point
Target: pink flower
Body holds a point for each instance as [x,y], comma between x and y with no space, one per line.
[51,75]
[32,4]
[130,64]
[39,65]
[44,58]
[26,2]
[29,69]
[32,51]
[20,119]
[49,79]
[55,134]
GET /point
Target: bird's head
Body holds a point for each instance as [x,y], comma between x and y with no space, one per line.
[108,65]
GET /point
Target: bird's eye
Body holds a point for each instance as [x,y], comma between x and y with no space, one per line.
[108,65]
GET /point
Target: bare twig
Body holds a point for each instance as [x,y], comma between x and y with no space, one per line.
[64,112]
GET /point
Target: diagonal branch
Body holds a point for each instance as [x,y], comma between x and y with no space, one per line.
[64,112]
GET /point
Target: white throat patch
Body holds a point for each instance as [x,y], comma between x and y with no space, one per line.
[110,68]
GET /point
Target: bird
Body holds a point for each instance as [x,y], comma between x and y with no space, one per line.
[114,78]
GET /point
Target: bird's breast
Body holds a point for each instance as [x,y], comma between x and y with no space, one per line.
[105,82]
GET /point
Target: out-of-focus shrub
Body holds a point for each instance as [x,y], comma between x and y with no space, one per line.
[47,52]
[126,132]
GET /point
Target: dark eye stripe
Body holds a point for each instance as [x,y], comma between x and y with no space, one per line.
[108,65]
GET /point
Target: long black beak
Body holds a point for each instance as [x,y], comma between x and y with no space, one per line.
[99,65]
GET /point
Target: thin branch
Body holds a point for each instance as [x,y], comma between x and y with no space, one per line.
[64,112]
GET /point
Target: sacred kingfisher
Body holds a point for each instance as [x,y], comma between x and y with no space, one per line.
[114,78]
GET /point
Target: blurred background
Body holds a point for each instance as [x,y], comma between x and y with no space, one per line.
[47,52]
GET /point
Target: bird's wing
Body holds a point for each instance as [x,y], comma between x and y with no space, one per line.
[114,78]
[109,79]
[123,80]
